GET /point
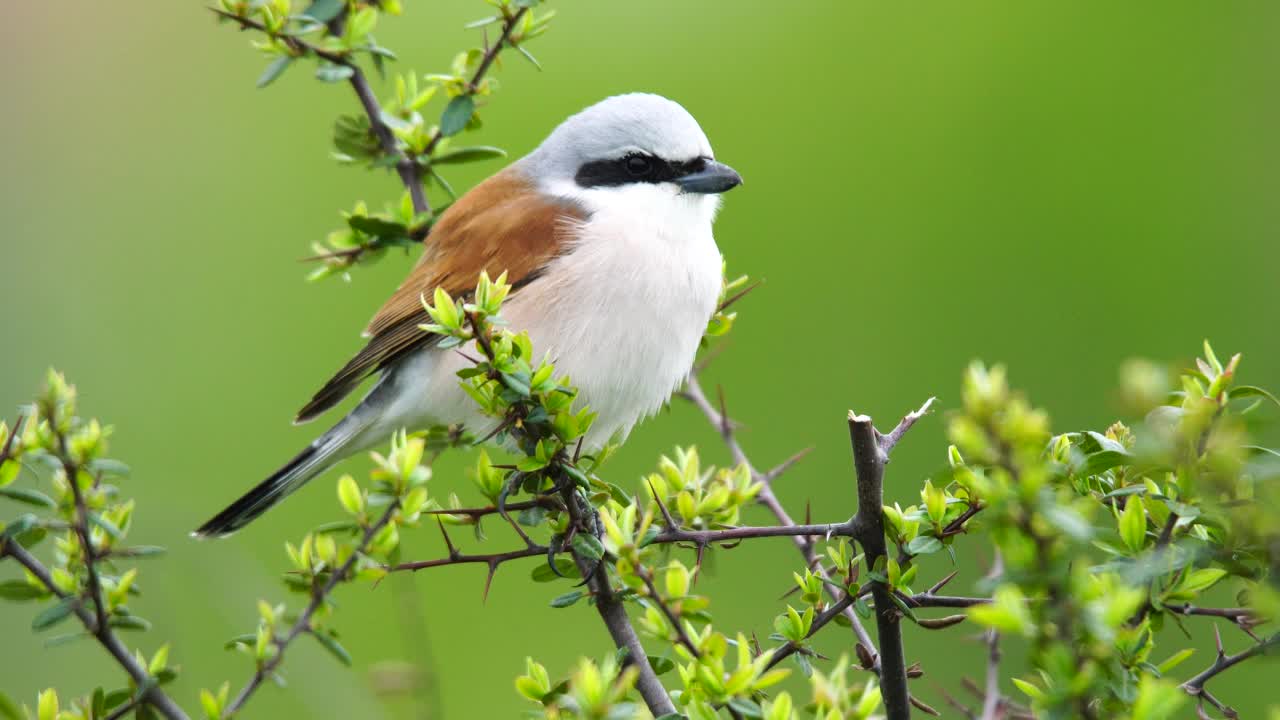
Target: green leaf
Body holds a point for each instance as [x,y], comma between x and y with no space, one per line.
[333,646]
[274,70]
[20,590]
[588,545]
[129,622]
[27,496]
[67,639]
[456,115]
[924,545]
[332,73]
[54,614]
[1200,580]
[106,525]
[9,709]
[544,573]
[324,10]
[567,599]
[1245,391]
[1133,524]
[21,524]
[470,154]
[746,707]
[1175,660]
[1102,461]
[377,226]
[140,551]
[661,664]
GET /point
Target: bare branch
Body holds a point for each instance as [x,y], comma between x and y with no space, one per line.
[887,442]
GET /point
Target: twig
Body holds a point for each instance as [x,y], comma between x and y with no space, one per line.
[721,421]
[303,624]
[155,696]
[408,168]
[681,635]
[614,615]
[81,527]
[1196,685]
[490,54]
[991,704]
[791,647]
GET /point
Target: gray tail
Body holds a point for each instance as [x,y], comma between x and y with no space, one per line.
[315,459]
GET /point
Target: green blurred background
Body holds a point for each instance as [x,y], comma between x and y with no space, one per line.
[1057,186]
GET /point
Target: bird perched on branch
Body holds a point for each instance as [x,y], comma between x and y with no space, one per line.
[605,233]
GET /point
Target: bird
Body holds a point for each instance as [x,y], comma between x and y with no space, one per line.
[605,233]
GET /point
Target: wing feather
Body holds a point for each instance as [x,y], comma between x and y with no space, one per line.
[502,225]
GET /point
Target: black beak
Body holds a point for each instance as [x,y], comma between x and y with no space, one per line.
[712,179]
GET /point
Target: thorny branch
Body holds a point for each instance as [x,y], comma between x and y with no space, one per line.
[722,422]
[1196,685]
[303,624]
[154,695]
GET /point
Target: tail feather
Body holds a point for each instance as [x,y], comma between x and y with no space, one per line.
[313,460]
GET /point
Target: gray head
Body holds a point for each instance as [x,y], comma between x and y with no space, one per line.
[627,140]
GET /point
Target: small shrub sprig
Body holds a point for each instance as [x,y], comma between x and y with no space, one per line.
[90,579]
[336,35]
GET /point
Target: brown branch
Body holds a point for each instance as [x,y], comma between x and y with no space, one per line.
[614,615]
[681,635]
[991,704]
[303,624]
[154,695]
[1223,662]
[869,459]
[791,647]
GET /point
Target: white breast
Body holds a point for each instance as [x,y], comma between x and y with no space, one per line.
[622,313]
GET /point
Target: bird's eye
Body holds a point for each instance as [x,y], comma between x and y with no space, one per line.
[638,165]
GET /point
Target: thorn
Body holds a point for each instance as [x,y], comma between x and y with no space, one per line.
[923,707]
[453,551]
[666,514]
[942,583]
[726,425]
[787,464]
[808,514]
[488,580]
[738,295]
[1217,639]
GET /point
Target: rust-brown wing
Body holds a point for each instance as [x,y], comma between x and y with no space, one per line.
[502,225]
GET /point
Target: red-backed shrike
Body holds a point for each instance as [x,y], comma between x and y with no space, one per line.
[605,233]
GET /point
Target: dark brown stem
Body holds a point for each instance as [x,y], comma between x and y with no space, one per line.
[154,696]
[303,624]
[490,55]
[869,458]
[1223,662]
[81,527]
[614,615]
[672,618]
[819,622]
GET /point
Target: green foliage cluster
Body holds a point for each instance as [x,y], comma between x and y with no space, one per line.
[1106,536]
[81,515]
[398,133]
